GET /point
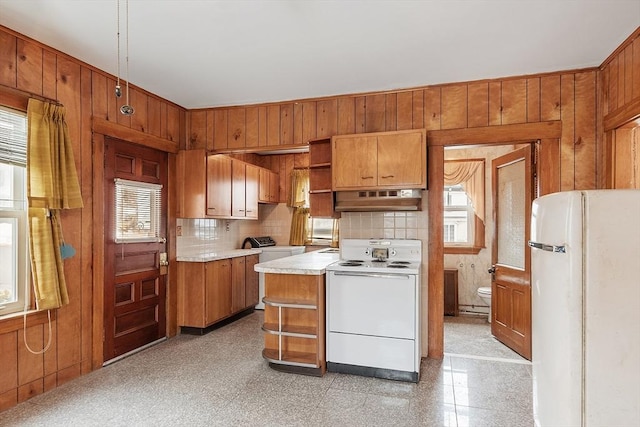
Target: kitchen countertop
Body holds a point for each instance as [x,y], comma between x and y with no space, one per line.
[309,263]
[213,256]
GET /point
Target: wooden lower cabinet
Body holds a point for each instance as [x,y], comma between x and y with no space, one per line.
[294,322]
[209,292]
[237,284]
[251,292]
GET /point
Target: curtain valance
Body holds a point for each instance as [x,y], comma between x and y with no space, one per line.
[469,174]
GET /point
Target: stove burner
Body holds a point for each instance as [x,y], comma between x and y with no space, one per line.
[378,260]
[397,266]
[400,262]
[351,264]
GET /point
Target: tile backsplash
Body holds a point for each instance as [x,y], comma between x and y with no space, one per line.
[211,235]
[198,236]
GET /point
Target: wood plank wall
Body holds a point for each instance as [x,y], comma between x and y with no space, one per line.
[30,68]
[618,98]
[567,96]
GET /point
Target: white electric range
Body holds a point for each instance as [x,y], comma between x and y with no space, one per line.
[373,309]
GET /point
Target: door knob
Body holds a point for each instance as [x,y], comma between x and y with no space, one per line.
[492,270]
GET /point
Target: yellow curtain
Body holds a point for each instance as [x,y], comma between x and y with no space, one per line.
[299,188]
[470,174]
[52,185]
[299,227]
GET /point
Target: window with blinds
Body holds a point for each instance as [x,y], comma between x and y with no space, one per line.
[14,259]
[137,208]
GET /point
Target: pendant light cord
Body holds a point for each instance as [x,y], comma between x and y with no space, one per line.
[127,48]
[118,36]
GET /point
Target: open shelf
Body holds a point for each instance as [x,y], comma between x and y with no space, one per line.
[290,330]
[290,303]
[292,358]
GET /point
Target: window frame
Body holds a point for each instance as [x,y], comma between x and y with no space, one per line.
[18,212]
[477,242]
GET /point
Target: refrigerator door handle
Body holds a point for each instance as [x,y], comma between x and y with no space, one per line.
[548,248]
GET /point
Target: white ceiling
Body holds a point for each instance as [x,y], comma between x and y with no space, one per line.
[205,53]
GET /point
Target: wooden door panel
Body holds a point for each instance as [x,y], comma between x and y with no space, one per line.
[252,183]
[502,304]
[251,281]
[521,301]
[511,291]
[218,290]
[400,160]
[238,189]
[238,294]
[354,162]
[219,186]
[134,298]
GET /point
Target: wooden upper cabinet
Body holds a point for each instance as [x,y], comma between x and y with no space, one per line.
[244,190]
[354,161]
[192,185]
[238,191]
[219,186]
[384,160]
[252,183]
[269,186]
[402,160]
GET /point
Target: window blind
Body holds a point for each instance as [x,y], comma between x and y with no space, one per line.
[138,207]
[13,137]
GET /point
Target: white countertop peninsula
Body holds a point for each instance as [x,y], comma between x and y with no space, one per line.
[309,263]
[216,255]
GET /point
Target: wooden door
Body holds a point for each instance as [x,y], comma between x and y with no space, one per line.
[355,162]
[626,158]
[219,186]
[238,189]
[252,178]
[251,294]
[238,293]
[218,290]
[134,288]
[401,160]
[511,257]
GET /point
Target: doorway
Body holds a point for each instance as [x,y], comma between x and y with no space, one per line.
[468,253]
[135,206]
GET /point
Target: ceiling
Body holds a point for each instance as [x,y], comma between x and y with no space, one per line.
[200,53]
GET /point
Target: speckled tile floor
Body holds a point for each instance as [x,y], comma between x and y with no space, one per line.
[221,379]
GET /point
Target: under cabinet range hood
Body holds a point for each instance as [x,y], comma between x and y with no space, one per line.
[378,200]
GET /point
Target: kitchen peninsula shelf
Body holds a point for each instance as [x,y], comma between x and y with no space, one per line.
[290,303]
[294,325]
[292,358]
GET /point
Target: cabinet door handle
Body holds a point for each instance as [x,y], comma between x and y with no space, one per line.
[366,177]
[388,176]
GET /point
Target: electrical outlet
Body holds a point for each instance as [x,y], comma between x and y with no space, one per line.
[179,231]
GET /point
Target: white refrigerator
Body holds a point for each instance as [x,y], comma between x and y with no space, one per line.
[585,271]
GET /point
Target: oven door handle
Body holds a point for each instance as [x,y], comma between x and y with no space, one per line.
[377,275]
